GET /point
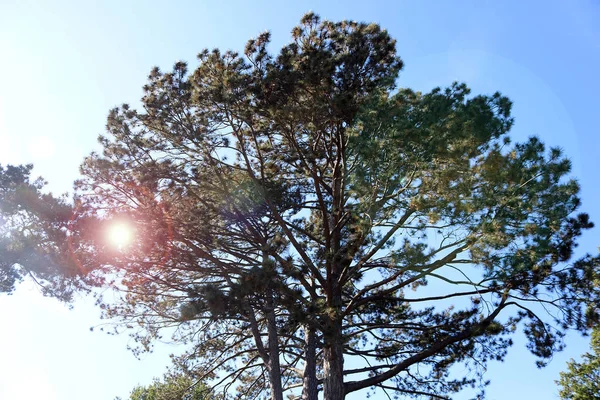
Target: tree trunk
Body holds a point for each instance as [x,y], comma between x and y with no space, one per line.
[333,344]
[274,367]
[333,364]
[310,390]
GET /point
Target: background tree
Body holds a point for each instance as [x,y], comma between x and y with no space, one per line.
[303,224]
[172,387]
[582,379]
[33,239]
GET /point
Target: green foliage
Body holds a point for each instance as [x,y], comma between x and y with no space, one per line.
[295,209]
[582,380]
[33,240]
[172,387]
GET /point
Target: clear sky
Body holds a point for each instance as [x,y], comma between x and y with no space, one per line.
[64,64]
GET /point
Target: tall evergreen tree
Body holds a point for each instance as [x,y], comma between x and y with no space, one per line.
[306,227]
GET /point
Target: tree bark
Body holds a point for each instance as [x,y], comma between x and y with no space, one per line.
[310,390]
[333,363]
[274,367]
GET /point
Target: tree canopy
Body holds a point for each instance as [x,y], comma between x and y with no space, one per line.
[305,225]
[581,381]
[172,387]
[33,240]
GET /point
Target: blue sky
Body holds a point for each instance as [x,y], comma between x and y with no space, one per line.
[64,64]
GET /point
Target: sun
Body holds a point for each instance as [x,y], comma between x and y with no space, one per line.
[120,234]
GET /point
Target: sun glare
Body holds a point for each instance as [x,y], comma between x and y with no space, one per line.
[120,234]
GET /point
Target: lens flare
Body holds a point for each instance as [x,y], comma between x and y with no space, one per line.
[120,235]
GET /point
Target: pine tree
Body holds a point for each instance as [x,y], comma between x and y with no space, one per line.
[305,226]
[33,241]
[582,380]
[172,387]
